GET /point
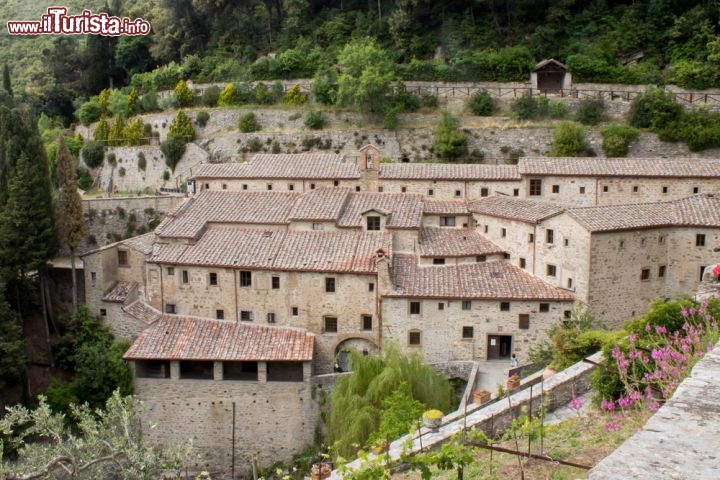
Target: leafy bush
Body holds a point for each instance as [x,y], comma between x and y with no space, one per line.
[569,140]
[202,118]
[211,95]
[85,180]
[142,162]
[183,95]
[295,97]
[325,86]
[93,153]
[111,159]
[166,174]
[121,171]
[89,112]
[182,127]
[653,109]
[314,120]
[557,109]
[134,132]
[255,144]
[524,108]
[118,103]
[694,74]
[173,149]
[391,118]
[590,111]
[229,96]
[248,123]
[263,95]
[481,103]
[450,142]
[428,100]
[617,138]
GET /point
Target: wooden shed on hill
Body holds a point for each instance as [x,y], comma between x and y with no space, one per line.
[550,76]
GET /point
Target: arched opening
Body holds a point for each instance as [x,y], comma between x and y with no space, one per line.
[343,349]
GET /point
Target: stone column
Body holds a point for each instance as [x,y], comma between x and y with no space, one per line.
[175,370]
[262,372]
[218,371]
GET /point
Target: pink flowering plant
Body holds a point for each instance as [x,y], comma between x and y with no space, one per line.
[659,351]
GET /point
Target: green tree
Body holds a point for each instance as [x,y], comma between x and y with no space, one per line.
[248,122]
[7,84]
[450,141]
[182,127]
[134,132]
[68,208]
[481,103]
[93,153]
[89,112]
[89,443]
[12,344]
[102,130]
[229,96]
[617,138]
[324,86]
[367,71]
[184,96]
[115,132]
[569,140]
[173,149]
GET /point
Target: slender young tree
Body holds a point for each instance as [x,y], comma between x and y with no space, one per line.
[68,209]
[6,80]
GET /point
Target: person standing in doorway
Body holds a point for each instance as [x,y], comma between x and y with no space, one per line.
[513,361]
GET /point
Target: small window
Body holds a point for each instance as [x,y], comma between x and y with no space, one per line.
[531,237]
[269,186]
[516,192]
[185,276]
[207,186]
[484,192]
[414,308]
[700,240]
[357,188]
[220,314]
[317,226]
[506,256]
[213,278]
[645,274]
[295,311]
[636,189]
[567,314]
[103,312]
[275,282]
[606,188]
[544,307]
[330,325]
[458,193]
[551,270]
[481,258]
[373,223]
[414,338]
[336,183]
[224,186]
[622,243]
[504,306]
[523,263]
[503,232]
[244,187]
[556,188]
[447,221]
[696,189]
[291,187]
[549,236]
[643,241]
[312,186]
[431,192]
[438,261]
[468,332]
[467,305]
[664,189]
[441,306]
[380,189]
[170,271]
[367,322]
[661,239]
[569,283]
[330,284]
[169,308]
[93,277]
[122,258]
[403,189]
[535,187]
[371,287]
[566,242]
[661,270]
[245,278]
[487,227]
[524,321]
[246,315]
[271,317]
[582,190]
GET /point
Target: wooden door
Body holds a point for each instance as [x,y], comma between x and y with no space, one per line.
[493,347]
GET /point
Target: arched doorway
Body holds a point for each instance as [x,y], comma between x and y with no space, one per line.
[342,351]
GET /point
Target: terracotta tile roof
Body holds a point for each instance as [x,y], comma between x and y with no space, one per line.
[316,251]
[405,209]
[454,242]
[528,211]
[227,208]
[142,243]
[119,292]
[487,280]
[312,165]
[445,207]
[447,171]
[322,204]
[192,338]
[142,311]
[621,167]
[697,211]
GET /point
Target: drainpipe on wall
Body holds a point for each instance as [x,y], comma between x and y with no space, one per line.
[534,247]
[597,189]
[237,313]
[162,294]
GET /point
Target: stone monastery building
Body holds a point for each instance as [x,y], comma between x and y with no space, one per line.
[273,269]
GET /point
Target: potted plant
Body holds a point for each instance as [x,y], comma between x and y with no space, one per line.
[513,381]
[432,418]
[481,396]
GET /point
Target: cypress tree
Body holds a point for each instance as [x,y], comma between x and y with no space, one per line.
[70,222]
[6,80]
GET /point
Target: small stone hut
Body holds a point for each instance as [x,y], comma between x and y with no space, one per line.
[550,76]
